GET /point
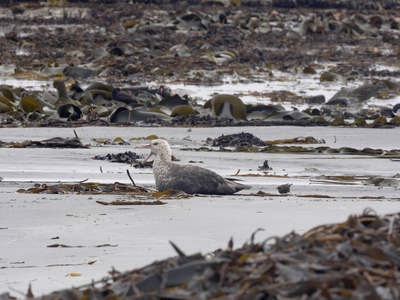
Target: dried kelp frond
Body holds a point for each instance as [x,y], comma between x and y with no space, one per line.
[117,188]
[297,140]
[116,141]
[169,194]
[86,188]
[139,202]
[335,261]
[57,142]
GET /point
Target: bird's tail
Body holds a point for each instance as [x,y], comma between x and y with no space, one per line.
[239,186]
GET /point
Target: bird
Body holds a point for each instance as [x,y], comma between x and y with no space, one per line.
[187,178]
[284,188]
[265,166]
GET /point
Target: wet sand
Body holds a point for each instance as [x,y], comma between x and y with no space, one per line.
[128,237]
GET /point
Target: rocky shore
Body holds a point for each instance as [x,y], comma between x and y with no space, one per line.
[99,60]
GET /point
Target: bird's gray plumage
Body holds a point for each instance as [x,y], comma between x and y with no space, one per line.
[190,179]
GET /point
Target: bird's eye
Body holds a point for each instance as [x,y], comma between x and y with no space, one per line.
[155,144]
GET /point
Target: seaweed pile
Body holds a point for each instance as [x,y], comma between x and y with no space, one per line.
[127,157]
[356,259]
[103,105]
[99,54]
[244,139]
[166,39]
[86,188]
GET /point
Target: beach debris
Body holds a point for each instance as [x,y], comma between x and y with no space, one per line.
[127,157]
[116,141]
[384,182]
[284,188]
[73,274]
[79,246]
[243,139]
[297,140]
[104,84]
[86,188]
[141,194]
[57,142]
[78,107]
[343,260]
[171,194]
[127,202]
[228,106]
[391,181]
[378,153]
[265,166]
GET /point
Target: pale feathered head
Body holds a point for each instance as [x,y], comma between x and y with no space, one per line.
[159,148]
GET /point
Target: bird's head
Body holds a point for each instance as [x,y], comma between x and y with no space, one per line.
[159,148]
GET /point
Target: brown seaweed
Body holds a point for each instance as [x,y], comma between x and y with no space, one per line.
[347,260]
[243,139]
[116,188]
[276,148]
[118,47]
[57,142]
[127,157]
[86,188]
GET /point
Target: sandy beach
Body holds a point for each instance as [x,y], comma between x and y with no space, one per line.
[100,237]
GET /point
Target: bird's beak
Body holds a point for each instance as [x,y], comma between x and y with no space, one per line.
[145,146]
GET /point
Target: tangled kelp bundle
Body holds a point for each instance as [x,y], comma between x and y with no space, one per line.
[116,188]
[356,259]
[86,188]
[127,157]
[244,139]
